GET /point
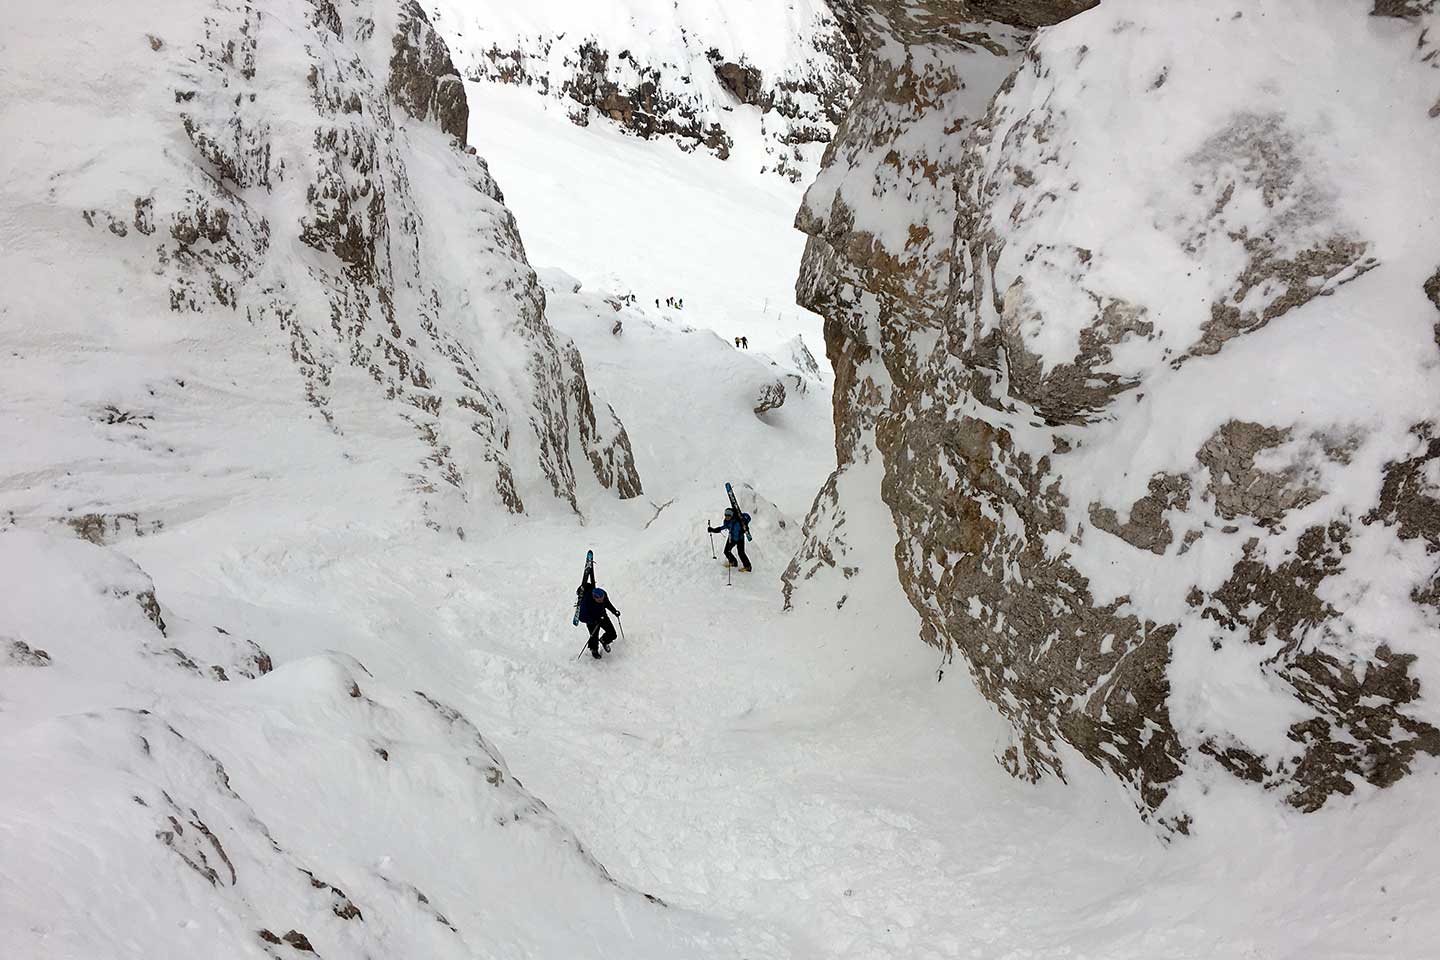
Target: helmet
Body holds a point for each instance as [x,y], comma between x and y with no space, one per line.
[729,511]
[598,593]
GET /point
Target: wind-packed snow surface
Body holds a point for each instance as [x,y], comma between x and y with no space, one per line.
[258,697]
[638,198]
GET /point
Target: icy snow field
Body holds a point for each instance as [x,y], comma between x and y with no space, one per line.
[634,215]
[612,208]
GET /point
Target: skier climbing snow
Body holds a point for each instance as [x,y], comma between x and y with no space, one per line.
[593,606]
[735,525]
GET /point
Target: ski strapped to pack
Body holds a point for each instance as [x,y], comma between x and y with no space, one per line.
[587,579]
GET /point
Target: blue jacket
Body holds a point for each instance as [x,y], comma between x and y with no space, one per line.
[736,528]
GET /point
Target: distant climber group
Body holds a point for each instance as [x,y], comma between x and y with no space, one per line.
[592,602]
[742,343]
[674,303]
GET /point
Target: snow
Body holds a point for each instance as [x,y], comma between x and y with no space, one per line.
[1357,158]
[1164,228]
[791,785]
[652,220]
[869,184]
[772,36]
[687,398]
[662,222]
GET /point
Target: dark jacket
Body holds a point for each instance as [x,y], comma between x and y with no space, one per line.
[592,610]
[736,528]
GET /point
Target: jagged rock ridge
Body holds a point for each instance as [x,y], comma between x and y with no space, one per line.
[1150,538]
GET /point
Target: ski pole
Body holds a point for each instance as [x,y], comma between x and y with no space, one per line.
[621,624]
[712,542]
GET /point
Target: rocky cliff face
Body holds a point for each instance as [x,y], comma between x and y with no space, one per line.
[302,187]
[674,71]
[1108,306]
[264,313]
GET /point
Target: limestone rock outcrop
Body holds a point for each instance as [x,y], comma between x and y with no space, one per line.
[743,81]
[300,187]
[423,79]
[770,397]
[1103,369]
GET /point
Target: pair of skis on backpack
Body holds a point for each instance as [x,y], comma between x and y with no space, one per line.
[587,580]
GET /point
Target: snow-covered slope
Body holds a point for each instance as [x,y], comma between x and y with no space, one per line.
[259,298]
[1150,372]
[630,215]
[643,201]
[170,795]
[758,82]
[258,697]
[639,142]
[694,402]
